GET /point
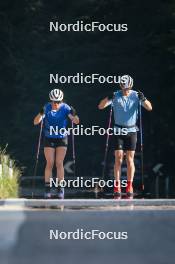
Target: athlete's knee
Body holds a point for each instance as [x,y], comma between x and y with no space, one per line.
[118,160]
[130,161]
[49,164]
[59,164]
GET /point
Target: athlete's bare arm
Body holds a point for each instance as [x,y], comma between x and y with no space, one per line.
[104,103]
[75,119]
[147,105]
[37,119]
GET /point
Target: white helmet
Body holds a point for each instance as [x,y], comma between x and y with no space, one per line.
[126,81]
[56,95]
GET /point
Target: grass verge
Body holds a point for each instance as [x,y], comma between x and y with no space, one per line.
[9,176]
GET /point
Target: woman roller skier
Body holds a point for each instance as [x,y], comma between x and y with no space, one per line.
[55,115]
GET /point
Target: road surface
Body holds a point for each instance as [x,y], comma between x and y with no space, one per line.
[25,236]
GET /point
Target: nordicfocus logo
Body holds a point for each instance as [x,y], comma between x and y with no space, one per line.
[80,26]
[79,130]
[79,182]
[81,78]
[81,234]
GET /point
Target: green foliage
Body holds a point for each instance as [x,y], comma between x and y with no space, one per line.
[9,175]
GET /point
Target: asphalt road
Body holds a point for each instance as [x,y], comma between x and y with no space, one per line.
[24,236]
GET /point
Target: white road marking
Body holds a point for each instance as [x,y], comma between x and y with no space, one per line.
[67,167]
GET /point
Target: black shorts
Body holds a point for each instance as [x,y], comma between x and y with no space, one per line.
[55,142]
[125,142]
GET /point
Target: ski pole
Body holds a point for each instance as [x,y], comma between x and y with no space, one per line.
[107,144]
[97,187]
[37,158]
[73,147]
[141,147]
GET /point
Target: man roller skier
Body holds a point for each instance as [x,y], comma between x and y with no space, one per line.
[125,107]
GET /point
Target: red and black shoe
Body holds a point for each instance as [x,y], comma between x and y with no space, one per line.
[117,192]
[129,190]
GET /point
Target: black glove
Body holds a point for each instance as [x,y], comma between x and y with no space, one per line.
[73,111]
[141,96]
[41,111]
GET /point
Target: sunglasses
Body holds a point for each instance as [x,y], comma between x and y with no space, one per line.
[55,102]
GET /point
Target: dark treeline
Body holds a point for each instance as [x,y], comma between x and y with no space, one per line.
[29,52]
